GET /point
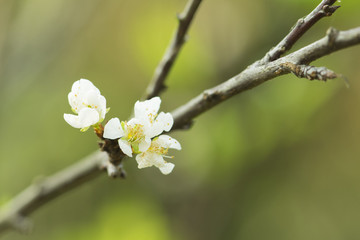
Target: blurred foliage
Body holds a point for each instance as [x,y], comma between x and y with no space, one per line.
[278,162]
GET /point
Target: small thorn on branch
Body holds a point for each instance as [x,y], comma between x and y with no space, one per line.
[310,72]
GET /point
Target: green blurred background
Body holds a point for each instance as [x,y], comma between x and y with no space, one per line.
[278,162]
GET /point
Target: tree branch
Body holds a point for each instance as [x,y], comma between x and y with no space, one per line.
[162,70]
[324,9]
[13,215]
[254,76]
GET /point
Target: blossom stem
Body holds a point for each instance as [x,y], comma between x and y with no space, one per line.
[99,130]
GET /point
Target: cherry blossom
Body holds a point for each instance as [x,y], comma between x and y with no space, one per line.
[87,102]
[135,136]
[155,154]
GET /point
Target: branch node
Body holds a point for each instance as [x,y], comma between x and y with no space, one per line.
[180,17]
[115,171]
[21,223]
[309,72]
[332,34]
[38,185]
[328,10]
[299,22]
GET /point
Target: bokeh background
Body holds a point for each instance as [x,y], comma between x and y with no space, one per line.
[280,161]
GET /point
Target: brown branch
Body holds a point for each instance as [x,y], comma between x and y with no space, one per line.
[324,9]
[255,75]
[162,70]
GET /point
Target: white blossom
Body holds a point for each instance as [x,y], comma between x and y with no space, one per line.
[154,155]
[147,114]
[87,102]
[135,135]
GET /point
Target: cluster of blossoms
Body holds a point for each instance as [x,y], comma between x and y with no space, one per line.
[141,135]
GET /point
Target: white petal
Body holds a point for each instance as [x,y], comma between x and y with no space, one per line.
[133,122]
[72,120]
[91,98]
[145,144]
[147,109]
[74,101]
[83,86]
[168,142]
[125,147]
[166,119]
[88,117]
[152,159]
[78,95]
[157,160]
[96,101]
[167,168]
[143,160]
[163,122]
[113,129]
[102,106]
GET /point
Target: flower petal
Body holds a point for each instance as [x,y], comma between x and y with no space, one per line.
[132,122]
[166,119]
[113,129]
[144,160]
[88,117]
[148,159]
[92,99]
[168,142]
[79,91]
[147,110]
[102,107]
[125,147]
[163,122]
[145,144]
[167,168]
[83,86]
[74,101]
[72,120]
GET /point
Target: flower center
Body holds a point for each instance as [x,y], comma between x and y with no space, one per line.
[156,148]
[134,133]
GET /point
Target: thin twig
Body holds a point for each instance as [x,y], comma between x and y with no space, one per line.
[162,70]
[324,9]
[254,76]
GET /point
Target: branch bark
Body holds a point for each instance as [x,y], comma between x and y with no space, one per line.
[162,70]
[255,75]
[13,215]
